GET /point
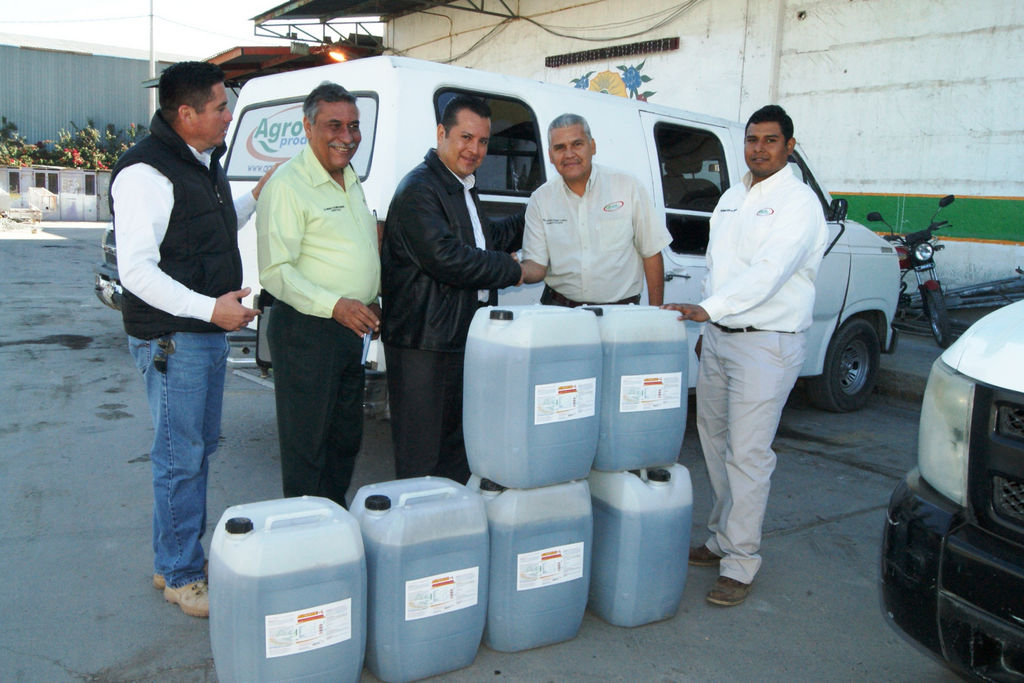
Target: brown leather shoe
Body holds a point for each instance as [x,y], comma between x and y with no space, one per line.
[728,592]
[193,598]
[159,583]
[702,557]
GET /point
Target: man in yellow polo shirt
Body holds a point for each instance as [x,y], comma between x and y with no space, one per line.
[317,250]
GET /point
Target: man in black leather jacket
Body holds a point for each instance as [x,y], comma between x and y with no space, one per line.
[441,260]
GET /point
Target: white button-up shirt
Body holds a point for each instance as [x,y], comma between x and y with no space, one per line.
[593,246]
[765,247]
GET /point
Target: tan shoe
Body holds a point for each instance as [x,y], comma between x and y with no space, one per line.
[160,584]
[728,592]
[702,557]
[193,598]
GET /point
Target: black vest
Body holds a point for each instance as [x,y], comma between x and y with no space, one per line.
[200,249]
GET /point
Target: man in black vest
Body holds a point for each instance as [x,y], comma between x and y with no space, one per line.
[177,256]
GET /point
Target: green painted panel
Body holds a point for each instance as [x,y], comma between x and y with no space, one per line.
[969,217]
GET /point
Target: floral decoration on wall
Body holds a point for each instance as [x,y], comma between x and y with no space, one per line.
[626,83]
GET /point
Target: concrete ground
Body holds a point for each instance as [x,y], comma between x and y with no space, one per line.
[75,501]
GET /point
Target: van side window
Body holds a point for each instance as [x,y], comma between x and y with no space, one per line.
[693,178]
[513,165]
[271,132]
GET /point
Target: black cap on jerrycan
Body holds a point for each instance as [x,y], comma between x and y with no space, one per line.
[238,525]
[377,503]
[659,474]
[501,314]
[491,486]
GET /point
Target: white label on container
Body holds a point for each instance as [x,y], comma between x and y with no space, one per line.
[560,401]
[549,566]
[441,593]
[650,392]
[290,633]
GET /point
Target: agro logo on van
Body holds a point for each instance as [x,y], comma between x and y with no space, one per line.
[614,206]
[277,137]
[766,212]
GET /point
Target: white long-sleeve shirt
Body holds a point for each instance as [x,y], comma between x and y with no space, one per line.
[765,247]
[143,199]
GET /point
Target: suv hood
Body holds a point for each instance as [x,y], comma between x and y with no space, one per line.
[992,349]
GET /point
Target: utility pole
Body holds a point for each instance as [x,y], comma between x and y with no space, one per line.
[152,65]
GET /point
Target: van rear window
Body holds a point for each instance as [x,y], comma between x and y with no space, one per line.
[271,132]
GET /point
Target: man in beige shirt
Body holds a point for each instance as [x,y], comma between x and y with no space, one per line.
[591,234]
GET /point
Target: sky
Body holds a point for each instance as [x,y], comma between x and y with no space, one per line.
[193,28]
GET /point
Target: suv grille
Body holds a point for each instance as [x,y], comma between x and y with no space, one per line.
[1011,421]
[1008,498]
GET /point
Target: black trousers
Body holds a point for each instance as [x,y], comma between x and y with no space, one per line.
[425,397]
[318,388]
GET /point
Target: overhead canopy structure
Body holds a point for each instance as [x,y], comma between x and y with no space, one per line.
[295,20]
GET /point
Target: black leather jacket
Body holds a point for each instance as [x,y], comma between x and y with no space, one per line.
[430,270]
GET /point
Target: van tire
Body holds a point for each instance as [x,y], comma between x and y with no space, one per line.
[850,370]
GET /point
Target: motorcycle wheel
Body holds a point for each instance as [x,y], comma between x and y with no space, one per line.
[938,317]
[850,371]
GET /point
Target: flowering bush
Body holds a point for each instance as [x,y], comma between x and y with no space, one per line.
[86,147]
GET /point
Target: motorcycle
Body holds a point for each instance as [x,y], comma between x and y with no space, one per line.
[916,251]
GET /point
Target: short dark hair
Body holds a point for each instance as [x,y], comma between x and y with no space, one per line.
[325,92]
[457,104]
[773,112]
[187,83]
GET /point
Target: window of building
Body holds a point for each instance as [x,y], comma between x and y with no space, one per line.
[90,184]
[14,182]
[693,178]
[514,165]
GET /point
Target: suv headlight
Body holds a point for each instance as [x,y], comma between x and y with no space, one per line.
[945,430]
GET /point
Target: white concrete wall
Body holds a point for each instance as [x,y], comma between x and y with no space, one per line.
[889,96]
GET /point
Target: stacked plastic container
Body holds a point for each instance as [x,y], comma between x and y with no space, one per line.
[540,562]
[287,592]
[427,559]
[642,499]
[531,413]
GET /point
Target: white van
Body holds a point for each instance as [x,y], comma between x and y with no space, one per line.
[686,160]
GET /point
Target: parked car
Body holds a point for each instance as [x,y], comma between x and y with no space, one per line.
[685,160]
[953,548]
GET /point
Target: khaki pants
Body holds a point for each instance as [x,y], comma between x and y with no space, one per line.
[742,386]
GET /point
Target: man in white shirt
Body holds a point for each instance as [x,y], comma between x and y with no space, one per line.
[178,261]
[591,234]
[766,243]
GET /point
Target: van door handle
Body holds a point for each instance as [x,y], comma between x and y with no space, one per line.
[670,276]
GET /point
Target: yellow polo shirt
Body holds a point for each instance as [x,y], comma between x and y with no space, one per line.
[316,241]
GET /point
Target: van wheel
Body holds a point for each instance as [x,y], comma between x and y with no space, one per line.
[850,370]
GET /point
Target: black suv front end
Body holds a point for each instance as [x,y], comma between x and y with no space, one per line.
[953,552]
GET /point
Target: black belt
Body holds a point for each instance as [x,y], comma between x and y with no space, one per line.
[734,330]
[550,296]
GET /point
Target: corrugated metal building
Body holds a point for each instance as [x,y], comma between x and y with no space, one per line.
[46,84]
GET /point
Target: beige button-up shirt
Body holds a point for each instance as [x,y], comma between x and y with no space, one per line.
[593,246]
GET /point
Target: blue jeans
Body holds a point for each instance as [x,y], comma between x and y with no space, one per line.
[185,404]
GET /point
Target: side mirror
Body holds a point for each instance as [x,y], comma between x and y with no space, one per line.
[946,201]
[837,210]
[874,217]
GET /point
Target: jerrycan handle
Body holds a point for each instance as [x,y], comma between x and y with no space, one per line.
[429,493]
[294,518]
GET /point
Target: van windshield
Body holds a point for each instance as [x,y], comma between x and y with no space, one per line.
[269,133]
